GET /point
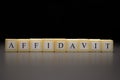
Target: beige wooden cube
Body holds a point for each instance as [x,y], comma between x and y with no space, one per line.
[23,45]
[35,44]
[95,45]
[48,45]
[60,45]
[107,45]
[84,45]
[11,45]
[72,45]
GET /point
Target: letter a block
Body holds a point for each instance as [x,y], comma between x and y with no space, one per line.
[48,44]
[35,44]
[60,45]
[23,45]
[107,45]
[11,44]
[72,45]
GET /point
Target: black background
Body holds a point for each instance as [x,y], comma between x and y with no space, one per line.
[58,19]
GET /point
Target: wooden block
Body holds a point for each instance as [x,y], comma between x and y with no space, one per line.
[72,45]
[60,45]
[95,45]
[48,45]
[23,45]
[11,44]
[35,44]
[84,45]
[107,45]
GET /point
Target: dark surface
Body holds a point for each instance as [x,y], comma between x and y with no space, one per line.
[60,66]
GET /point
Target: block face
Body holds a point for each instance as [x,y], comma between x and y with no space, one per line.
[35,44]
[23,45]
[95,45]
[84,45]
[11,44]
[72,45]
[107,45]
[48,44]
[60,45]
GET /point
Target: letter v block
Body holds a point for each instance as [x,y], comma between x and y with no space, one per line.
[11,44]
[23,45]
[72,45]
[35,44]
[60,45]
[84,45]
[107,45]
[48,45]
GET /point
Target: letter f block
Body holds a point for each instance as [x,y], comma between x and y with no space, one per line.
[23,45]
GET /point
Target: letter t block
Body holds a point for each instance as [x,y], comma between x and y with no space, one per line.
[107,45]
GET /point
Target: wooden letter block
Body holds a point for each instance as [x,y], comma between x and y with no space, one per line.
[107,45]
[72,45]
[95,45]
[11,44]
[23,45]
[48,44]
[60,45]
[84,45]
[35,44]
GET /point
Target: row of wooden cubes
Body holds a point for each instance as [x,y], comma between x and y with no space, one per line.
[65,45]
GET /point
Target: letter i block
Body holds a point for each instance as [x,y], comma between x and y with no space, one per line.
[84,45]
[11,44]
[95,45]
[60,45]
[72,45]
[35,44]
[48,45]
[23,45]
[107,45]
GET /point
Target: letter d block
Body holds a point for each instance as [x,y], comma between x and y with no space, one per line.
[23,45]
[60,45]
[48,45]
[11,44]
[107,45]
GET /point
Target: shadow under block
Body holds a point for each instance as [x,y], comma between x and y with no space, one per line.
[48,45]
[72,45]
[11,45]
[60,45]
[84,45]
[23,45]
[35,44]
[95,45]
[107,45]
